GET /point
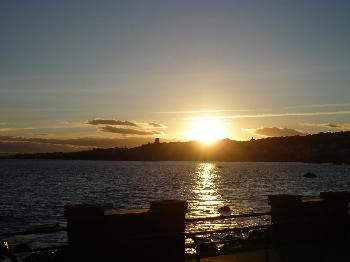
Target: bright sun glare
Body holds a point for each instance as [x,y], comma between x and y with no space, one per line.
[207,130]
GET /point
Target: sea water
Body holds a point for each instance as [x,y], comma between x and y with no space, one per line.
[34,192]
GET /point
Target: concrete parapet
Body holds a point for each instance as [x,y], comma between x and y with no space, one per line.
[324,218]
[154,234]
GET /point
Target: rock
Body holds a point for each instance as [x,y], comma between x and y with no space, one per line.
[309,175]
[225,211]
[22,247]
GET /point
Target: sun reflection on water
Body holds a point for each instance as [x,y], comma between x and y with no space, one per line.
[207,198]
[206,201]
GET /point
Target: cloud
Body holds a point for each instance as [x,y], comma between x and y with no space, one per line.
[156,125]
[341,126]
[59,125]
[275,132]
[82,142]
[123,127]
[111,122]
[8,148]
[324,113]
[79,142]
[319,106]
[128,131]
[201,111]
[13,144]
[331,125]
[13,129]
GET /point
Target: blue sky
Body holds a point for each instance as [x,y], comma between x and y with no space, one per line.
[254,65]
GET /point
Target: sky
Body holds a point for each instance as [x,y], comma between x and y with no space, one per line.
[81,74]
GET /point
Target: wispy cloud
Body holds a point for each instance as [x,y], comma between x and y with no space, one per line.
[347,112]
[56,125]
[78,142]
[318,106]
[339,126]
[82,142]
[275,132]
[127,128]
[13,147]
[201,111]
[127,131]
[111,122]
[15,144]
[13,129]
[156,125]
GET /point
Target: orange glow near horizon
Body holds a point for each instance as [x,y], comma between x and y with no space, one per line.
[207,130]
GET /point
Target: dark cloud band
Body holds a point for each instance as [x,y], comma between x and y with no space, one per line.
[111,122]
[127,131]
[276,132]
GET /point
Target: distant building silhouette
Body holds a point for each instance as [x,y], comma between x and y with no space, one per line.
[157,140]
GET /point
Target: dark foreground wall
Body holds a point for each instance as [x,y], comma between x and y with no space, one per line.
[324,219]
[154,234]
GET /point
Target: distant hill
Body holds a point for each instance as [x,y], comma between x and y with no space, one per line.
[318,148]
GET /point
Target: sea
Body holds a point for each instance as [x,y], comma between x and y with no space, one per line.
[33,193]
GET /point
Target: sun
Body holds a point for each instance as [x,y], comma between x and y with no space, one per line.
[207,130]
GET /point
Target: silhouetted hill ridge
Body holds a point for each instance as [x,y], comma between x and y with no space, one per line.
[319,148]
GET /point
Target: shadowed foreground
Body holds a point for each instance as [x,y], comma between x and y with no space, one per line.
[300,253]
[301,229]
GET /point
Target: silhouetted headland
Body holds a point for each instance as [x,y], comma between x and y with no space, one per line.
[317,148]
